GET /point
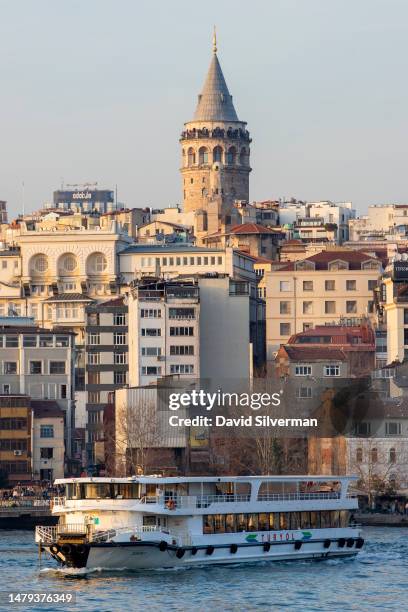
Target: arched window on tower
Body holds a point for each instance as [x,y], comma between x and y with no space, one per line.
[244,157]
[203,155]
[217,154]
[191,157]
[183,157]
[231,156]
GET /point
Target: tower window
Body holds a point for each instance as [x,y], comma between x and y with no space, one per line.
[231,156]
[217,154]
[191,157]
[203,155]
[191,180]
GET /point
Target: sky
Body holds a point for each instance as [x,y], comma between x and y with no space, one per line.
[98,90]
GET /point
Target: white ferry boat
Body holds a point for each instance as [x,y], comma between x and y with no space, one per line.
[154,522]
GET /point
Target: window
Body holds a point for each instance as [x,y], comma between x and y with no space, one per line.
[219,261]
[374,455]
[94,338]
[405,316]
[307,307]
[119,339]
[351,285]
[351,307]
[29,341]
[119,358]
[338,265]
[393,429]
[62,341]
[119,378]
[57,367]
[150,313]
[63,392]
[284,285]
[93,358]
[11,341]
[46,341]
[151,351]
[181,331]
[307,285]
[181,313]
[284,308]
[119,319]
[304,392]
[46,431]
[303,370]
[393,455]
[359,455]
[151,331]
[330,285]
[10,367]
[363,428]
[284,329]
[372,284]
[93,397]
[181,350]
[181,368]
[405,339]
[331,369]
[94,378]
[329,307]
[151,370]
[307,326]
[46,453]
[35,367]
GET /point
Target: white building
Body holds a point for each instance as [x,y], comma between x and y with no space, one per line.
[338,213]
[48,440]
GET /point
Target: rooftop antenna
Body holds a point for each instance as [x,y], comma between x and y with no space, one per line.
[215,40]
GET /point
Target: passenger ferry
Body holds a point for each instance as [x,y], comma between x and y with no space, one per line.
[155,522]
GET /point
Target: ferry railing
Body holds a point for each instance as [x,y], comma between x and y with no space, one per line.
[298,496]
[57,502]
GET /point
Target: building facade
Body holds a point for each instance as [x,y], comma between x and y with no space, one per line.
[48,440]
[15,437]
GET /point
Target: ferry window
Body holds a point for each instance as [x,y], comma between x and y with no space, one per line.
[97,491]
[344,518]
[263,523]
[325,519]
[241,522]
[274,521]
[305,520]
[230,523]
[315,520]
[127,491]
[284,520]
[208,523]
[149,521]
[295,520]
[219,523]
[335,518]
[252,522]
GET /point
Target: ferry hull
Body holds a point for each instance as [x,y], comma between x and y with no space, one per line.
[142,555]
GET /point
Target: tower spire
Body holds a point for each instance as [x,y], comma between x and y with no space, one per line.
[215,40]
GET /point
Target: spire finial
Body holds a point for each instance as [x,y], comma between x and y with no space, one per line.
[215,40]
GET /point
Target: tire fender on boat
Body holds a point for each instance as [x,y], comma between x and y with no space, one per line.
[180,553]
[350,542]
[209,550]
[163,546]
[66,549]
[341,542]
[194,550]
[326,543]
[359,542]
[233,548]
[267,546]
[298,545]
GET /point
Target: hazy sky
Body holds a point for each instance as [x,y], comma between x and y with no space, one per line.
[98,90]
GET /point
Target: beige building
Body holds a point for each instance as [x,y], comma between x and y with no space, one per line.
[215,155]
[48,440]
[393,309]
[321,289]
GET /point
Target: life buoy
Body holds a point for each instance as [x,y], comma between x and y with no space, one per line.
[180,553]
[54,549]
[267,546]
[233,548]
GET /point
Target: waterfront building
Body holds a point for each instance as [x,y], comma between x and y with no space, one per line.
[332,213]
[39,363]
[320,289]
[15,437]
[106,370]
[215,148]
[48,440]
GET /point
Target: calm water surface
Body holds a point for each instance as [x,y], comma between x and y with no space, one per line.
[377,579]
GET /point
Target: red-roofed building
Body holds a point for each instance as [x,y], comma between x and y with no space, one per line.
[319,290]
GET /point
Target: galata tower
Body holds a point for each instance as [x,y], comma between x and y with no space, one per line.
[215,155]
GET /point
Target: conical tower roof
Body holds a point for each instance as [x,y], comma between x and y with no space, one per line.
[215,101]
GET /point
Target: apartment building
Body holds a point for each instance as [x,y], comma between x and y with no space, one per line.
[393,309]
[251,238]
[382,220]
[336,213]
[164,330]
[39,363]
[318,290]
[48,440]
[106,351]
[15,437]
